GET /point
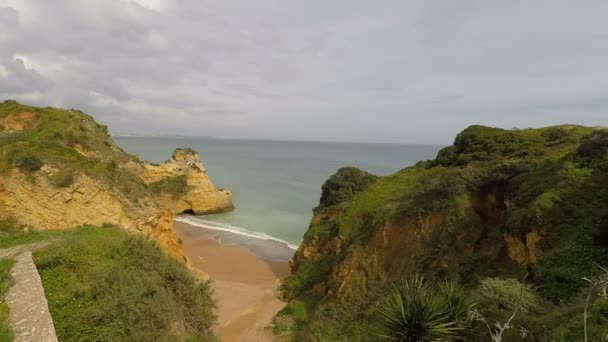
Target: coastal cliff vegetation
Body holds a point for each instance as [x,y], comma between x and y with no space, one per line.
[113,269]
[59,168]
[104,284]
[515,220]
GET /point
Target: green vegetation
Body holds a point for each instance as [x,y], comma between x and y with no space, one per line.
[416,310]
[30,163]
[5,278]
[63,178]
[11,234]
[369,206]
[182,150]
[308,274]
[482,144]
[508,294]
[341,187]
[70,141]
[103,283]
[517,217]
[176,186]
[291,318]
[73,143]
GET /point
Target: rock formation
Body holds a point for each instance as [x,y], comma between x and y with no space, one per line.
[60,169]
[201,197]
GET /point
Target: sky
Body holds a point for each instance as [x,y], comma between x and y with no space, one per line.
[341,70]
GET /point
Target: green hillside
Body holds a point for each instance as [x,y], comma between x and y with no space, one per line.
[498,212]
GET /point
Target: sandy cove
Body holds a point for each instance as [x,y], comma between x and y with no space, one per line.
[243,284]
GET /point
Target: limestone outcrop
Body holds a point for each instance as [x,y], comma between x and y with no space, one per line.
[200,196]
[60,169]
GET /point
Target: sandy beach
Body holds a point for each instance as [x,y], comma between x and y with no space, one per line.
[243,283]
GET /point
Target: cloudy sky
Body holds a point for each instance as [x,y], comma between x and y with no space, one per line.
[340,70]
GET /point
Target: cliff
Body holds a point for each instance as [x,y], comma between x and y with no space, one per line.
[60,169]
[525,204]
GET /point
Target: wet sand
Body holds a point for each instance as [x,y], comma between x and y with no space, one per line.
[244,284]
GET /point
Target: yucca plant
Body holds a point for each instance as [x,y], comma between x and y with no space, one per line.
[416,310]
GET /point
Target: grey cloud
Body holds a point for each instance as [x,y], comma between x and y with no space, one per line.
[15,78]
[392,70]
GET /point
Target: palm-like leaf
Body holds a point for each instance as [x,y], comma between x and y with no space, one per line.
[416,311]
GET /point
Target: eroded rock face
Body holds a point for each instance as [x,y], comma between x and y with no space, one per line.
[18,122]
[201,196]
[78,176]
[35,202]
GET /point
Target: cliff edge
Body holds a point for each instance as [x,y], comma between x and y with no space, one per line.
[60,169]
[525,204]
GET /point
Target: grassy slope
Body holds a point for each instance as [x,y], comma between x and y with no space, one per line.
[11,235]
[105,284]
[547,185]
[102,283]
[55,141]
[5,277]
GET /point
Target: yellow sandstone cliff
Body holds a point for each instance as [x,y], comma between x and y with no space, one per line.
[60,169]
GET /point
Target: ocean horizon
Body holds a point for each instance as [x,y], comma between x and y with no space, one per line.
[275,183]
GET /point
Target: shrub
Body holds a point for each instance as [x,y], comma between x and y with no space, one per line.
[343,185]
[30,163]
[104,284]
[509,294]
[594,145]
[446,156]
[182,150]
[176,186]
[5,277]
[10,137]
[63,178]
[308,273]
[416,310]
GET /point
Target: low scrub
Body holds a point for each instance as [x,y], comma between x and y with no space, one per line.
[103,283]
[30,164]
[175,186]
[5,278]
[63,178]
[14,234]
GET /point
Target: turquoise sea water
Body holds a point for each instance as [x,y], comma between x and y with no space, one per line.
[275,184]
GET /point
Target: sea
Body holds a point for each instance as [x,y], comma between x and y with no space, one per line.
[275,184]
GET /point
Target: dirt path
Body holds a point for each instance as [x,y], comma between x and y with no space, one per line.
[29,316]
[14,251]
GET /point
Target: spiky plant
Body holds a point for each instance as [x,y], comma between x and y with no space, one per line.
[417,311]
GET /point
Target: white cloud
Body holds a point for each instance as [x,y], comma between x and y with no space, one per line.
[155,5]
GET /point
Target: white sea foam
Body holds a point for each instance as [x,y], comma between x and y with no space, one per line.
[213,225]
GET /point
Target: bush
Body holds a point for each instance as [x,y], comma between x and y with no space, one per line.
[63,178]
[182,151]
[553,134]
[343,185]
[176,186]
[594,145]
[308,273]
[508,294]
[104,284]
[446,156]
[30,163]
[5,277]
